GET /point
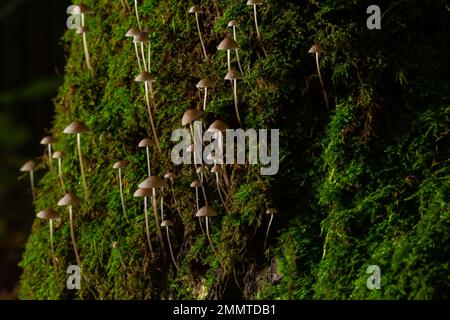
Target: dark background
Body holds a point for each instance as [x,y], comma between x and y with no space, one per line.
[31,69]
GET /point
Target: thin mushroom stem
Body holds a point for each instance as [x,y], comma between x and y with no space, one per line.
[148,161]
[121,195]
[137,14]
[170,248]
[120,258]
[208,236]
[72,236]
[49,148]
[147,99]
[321,80]
[219,191]
[136,50]
[85,46]
[60,175]
[268,229]
[86,192]
[149,56]
[258,34]
[236,103]
[53,251]
[205,99]
[229,59]
[198,208]
[143,56]
[158,226]
[237,50]
[33,190]
[162,206]
[147,229]
[201,38]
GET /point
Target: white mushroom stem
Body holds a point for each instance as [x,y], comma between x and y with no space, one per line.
[121,195]
[205,99]
[170,248]
[85,46]
[196,199]
[53,250]
[137,14]
[148,161]
[162,205]
[72,236]
[208,236]
[60,175]
[268,229]
[321,80]
[143,56]
[237,50]
[149,56]
[236,103]
[147,99]
[86,192]
[158,225]
[33,190]
[147,229]
[200,36]
[173,192]
[219,188]
[136,50]
[229,59]
[49,148]
[120,258]
[257,29]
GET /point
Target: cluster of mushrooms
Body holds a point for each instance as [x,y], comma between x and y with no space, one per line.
[215,175]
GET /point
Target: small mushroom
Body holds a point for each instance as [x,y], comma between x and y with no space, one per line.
[133,32]
[119,165]
[166,224]
[255,3]
[195,9]
[116,247]
[189,117]
[233,24]
[148,30]
[171,177]
[218,127]
[317,50]
[202,170]
[141,38]
[48,141]
[234,76]
[69,200]
[270,211]
[60,155]
[216,169]
[78,128]
[195,184]
[146,193]
[207,212]
[29,167]
[205,84]
[228,44]
[146,143]
[51,215]
[83,10]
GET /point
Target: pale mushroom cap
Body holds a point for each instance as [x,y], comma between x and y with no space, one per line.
[206,211]
[216,169]
[205,83]
[195,9]
[167,223]
[233,23]
[78,9]
[28,166]
[190,116]
[153,182]
[144,76]
[170,175]
[116,245]
[76,127]
[48,214]
[47,140]
[254,2]
[133,32]
[143,192]
[69,199]
[202,169]
[315,49]
[228,44]
[234,75]
[196,184]
[271,211]
[58,155]
[82,30]
[141,37]
[218,125]
[120,165]
[146,142]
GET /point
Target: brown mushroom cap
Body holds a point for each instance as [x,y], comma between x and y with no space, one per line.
[206,211]
[82,30]
[315,49]
[190,116]
[233,23]
[69,199]
[271,211]
[196,184]
[76,127]
[153,182]
[143,192]
[254,2]
[144,76]
[48,214]
[58,155]
[47,140]
[234,75]
[205,83]
[202,169]
[228,44]
[146,142]
[116,245]
[170,175]
[195,9]
[218,125]
[133,32]
[216,169]
[28,166]
[120,165]
[167,223]
[141,37]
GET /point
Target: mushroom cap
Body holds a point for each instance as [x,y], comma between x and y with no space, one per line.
[143,192]
[228,44]
[58,155]
[315,49]
[195,9]
[48,214]
[167,223]
[271,211]
[144,76]
[133,32]
[233,23]
[78,9]
[76,127]
[218,125]
[170,175]
[202,169]
[148,29]
[116,245]
[146,142]
[153,182]
[234,74]
[47,140]
[141,37]
[196,184]
[69,199]
[254,2]
[216,169]
[120,164]
[205,83]
[28,166]
[190,115]
[82,30]
[206,211]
